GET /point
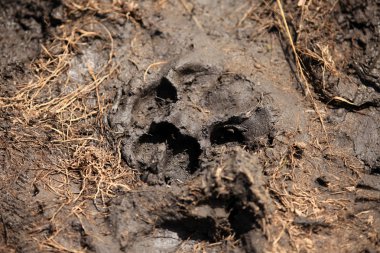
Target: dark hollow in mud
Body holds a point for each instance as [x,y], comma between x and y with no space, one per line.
[176,142]
[245,130]
[166,92]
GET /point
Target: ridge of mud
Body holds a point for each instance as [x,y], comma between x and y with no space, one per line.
[233,196]
[229,197]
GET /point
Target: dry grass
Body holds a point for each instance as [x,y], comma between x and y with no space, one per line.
[99,171]
[119,8]
[291,179]
[71,113]
[292,183]
[316,32]
[54,103]
[300,69]
[315,41]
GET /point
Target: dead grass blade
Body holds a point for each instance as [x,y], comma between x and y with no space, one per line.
[300,70]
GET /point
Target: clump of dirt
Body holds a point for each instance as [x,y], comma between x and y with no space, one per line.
[229,198]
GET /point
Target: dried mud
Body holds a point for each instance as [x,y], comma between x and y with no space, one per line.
[207,109]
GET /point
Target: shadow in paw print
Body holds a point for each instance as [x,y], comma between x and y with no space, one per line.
[166,92]
[254,131]
[177,144]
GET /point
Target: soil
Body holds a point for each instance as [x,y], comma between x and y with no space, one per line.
[189,126]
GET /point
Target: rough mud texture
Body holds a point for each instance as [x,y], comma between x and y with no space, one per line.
[203,103]
[229,197]
[191,107]
[24,26]
[345,63]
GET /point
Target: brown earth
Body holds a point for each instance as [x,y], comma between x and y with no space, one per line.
[189,126]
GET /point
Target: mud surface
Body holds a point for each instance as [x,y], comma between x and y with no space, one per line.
[204,106]
[191,108]
[24,26]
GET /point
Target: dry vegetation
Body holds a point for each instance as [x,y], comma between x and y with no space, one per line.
[71,112]
[72,115]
